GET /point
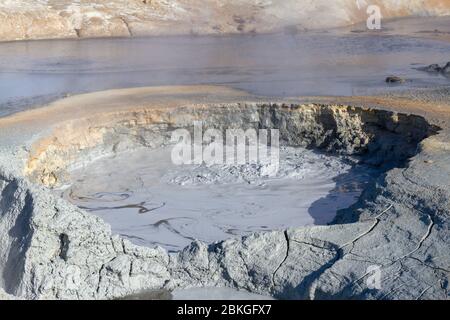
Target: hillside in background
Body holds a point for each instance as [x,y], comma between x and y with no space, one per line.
[37,19]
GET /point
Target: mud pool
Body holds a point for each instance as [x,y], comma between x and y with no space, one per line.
[154,202]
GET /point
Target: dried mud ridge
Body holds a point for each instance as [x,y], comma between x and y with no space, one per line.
[52,249]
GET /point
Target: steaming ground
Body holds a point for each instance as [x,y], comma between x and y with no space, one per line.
[154,202]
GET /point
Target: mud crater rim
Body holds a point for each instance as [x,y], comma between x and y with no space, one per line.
[379,138]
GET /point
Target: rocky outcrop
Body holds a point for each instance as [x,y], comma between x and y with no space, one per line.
[392,244]
[52,250]
[32,19]
[435,68]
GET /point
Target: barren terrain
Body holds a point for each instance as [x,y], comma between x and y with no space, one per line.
[39,19]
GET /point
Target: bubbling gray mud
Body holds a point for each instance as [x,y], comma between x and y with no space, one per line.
[151,201]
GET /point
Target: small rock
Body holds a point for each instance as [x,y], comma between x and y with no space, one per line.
[431,68]
[394,79]
[446,69]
